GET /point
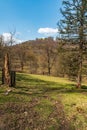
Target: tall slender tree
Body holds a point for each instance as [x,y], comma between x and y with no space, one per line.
[73,27]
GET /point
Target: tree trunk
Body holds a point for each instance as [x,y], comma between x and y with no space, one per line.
[79,80]
[48,62]
[49,70]
[22,66]
[13,78]
[3,76]
[7,70]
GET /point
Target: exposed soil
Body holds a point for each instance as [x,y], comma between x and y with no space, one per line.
[23,116]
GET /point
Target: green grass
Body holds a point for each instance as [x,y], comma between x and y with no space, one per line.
[54,101]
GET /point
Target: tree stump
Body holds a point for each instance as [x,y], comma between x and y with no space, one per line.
[3,76]
[7,78]
[13,78]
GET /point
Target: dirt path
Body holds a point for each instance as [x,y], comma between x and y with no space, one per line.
[17,116]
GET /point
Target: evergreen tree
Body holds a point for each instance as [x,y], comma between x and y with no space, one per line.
[73,27]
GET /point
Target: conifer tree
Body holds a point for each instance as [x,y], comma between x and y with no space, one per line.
[73,28]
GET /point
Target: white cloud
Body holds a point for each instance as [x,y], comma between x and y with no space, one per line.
[7,38]
[48,31]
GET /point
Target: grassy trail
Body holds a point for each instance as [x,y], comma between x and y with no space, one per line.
[43,103]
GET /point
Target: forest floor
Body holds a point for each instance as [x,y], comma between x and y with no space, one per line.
[43,103]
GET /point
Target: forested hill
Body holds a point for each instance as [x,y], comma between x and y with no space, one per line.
[45,56]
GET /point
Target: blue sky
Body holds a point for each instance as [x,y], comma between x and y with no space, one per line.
[31,18]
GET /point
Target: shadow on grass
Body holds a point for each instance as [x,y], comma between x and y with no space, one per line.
[28,79]
[33,86]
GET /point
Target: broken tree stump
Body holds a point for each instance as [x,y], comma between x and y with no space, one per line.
[13,78]
[3,76]
[7,78]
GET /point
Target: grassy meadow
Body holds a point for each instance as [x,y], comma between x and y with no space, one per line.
[43,103]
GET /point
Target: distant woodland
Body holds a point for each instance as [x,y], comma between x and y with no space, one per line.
[45,56]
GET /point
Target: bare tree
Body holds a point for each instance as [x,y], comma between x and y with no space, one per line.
[50,53]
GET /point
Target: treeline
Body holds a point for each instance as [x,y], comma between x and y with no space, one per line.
[45,56]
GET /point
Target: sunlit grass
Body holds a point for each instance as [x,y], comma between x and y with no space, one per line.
[47,90]
[75,105]
[53,79]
